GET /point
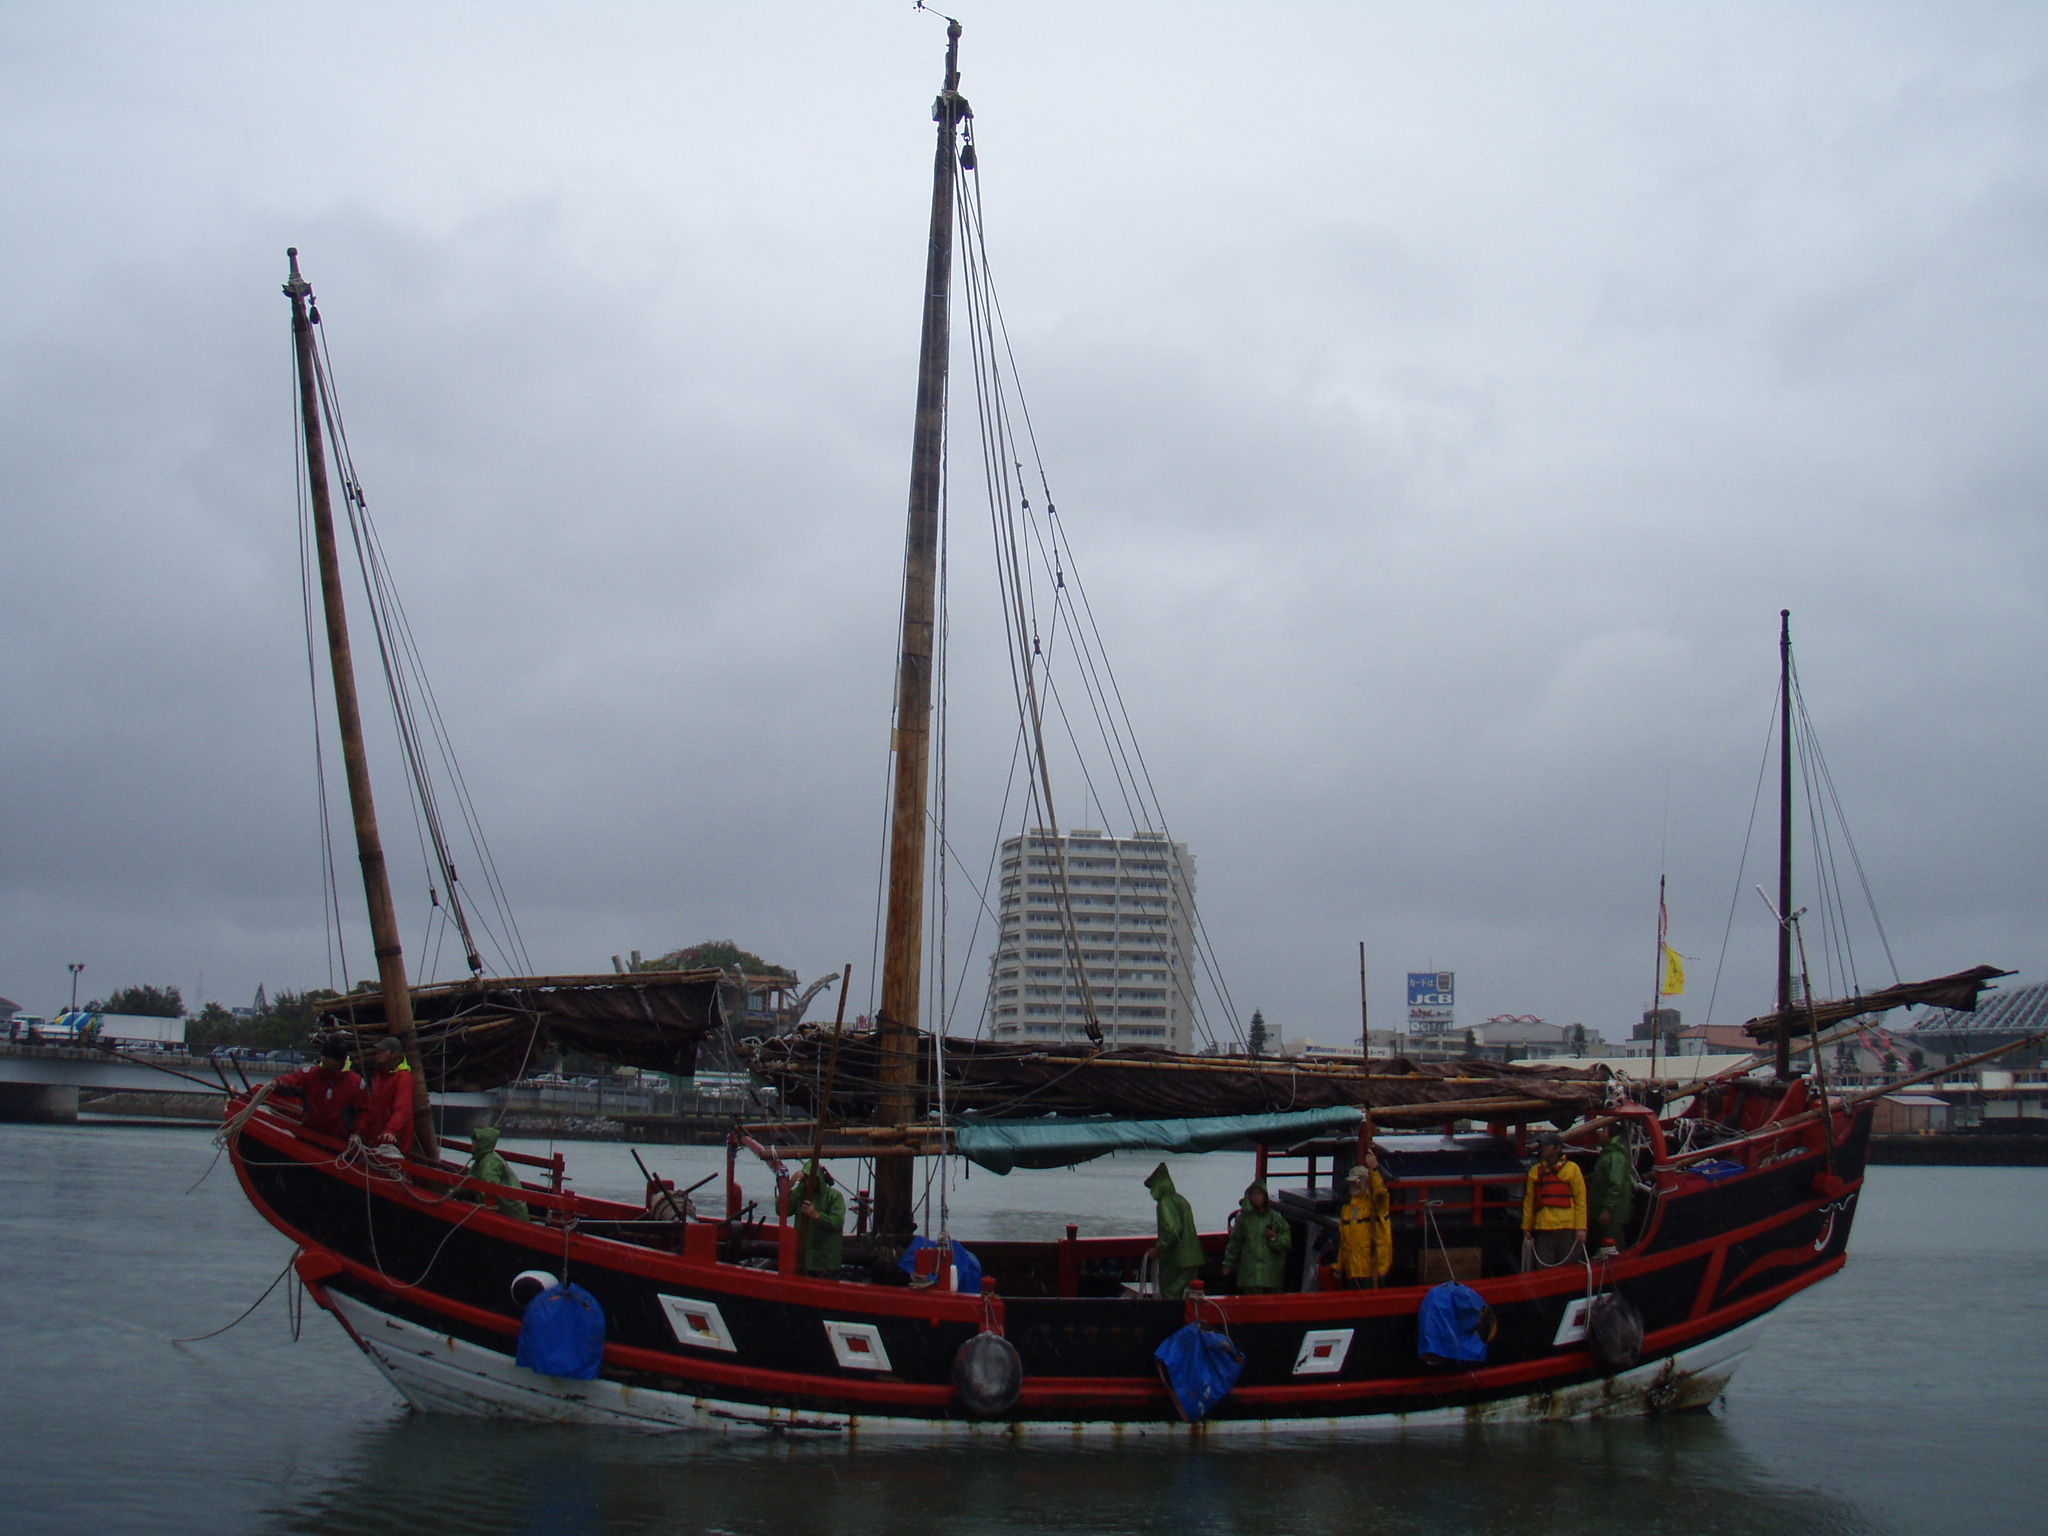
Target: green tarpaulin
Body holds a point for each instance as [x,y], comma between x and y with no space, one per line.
[1000,1145]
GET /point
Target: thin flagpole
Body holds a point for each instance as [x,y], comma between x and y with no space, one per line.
[1365,1054]
[1657,981]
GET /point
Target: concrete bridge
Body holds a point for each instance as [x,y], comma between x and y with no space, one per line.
[41,1083]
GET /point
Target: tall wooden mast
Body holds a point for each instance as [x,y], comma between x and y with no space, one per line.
[895,1217]
[348,711]
[1785,844]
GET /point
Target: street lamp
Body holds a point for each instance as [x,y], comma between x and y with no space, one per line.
[76,967]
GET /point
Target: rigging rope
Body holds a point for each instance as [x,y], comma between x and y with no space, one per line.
[1035,566]
[416,711]
[1763,768]
[1826,821]
[309,583]
[200,1338]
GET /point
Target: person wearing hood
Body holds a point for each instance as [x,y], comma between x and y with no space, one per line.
[487,1164]
[1179,1249]
[1259,1244]
[1365,1244]
[1611,1193]
[820,1211]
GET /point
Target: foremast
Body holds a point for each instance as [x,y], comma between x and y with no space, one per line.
[348,712]
[897,1022]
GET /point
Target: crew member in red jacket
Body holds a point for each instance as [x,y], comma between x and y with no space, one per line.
[332,1093]
[386,1118]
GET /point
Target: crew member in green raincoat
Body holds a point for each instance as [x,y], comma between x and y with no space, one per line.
[1258,1244]
[1611,1193]
[820,1222]
[1179,1250]
[487,1163]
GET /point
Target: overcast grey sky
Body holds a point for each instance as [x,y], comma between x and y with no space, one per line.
[1442,401]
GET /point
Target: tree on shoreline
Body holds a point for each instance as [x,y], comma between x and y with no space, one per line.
[143,1002]
[287,1026]
[722,953]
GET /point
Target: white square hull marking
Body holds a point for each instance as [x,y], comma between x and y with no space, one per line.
[857,1346]
[1571,1328]
[698,1323]
[1323,1351]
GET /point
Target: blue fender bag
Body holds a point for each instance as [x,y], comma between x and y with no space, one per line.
[1455,1324]
[561,1333]
[966,1267]
[1199,1368]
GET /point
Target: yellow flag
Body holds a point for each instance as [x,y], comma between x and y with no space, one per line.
[1674,972]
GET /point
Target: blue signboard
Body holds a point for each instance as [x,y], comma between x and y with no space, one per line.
[1432,989]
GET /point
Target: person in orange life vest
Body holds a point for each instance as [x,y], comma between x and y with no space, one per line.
[332,1092]
[1553,1207]
[386,1117]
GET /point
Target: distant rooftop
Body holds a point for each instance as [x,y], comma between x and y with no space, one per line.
[8,1007]
[2018,1012]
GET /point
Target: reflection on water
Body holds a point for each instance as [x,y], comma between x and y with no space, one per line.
[1906,1395]
[1684,1474]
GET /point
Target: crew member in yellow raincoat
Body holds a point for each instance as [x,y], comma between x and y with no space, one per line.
[1365,1246]
[1553,1207]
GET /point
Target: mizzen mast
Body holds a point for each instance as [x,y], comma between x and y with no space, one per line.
[896,1024]
[348,711]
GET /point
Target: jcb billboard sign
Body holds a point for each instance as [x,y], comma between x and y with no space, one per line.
[1432,989]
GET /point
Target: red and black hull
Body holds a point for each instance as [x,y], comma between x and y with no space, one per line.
[424,1282]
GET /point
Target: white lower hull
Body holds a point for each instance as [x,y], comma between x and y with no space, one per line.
[440,1374]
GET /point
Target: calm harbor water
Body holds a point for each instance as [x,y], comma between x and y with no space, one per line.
[1906,1395]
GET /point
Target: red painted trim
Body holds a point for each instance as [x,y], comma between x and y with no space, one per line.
[830,1295]
[689,1367]
[1111,1396]
[1778,1258]
[1710,1284]
[1127,1395]
[1578,1362]
[630,1258]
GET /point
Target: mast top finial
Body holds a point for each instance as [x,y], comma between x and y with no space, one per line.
[297,287]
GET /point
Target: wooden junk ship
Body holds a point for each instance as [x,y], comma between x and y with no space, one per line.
[1748,1185]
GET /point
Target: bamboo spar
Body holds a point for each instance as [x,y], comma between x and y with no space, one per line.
[831,1067]
[897,1022]
[348,712]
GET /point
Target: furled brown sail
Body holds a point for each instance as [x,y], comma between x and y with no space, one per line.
[482,1034]
[1141,1082]
[1958,991]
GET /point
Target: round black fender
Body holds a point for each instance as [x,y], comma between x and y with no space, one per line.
[529,1283]
[1614,1331]
[988,1374]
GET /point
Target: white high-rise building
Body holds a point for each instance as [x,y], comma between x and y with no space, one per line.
[1133,904]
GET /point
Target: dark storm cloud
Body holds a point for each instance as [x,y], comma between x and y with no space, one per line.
[1442,407]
